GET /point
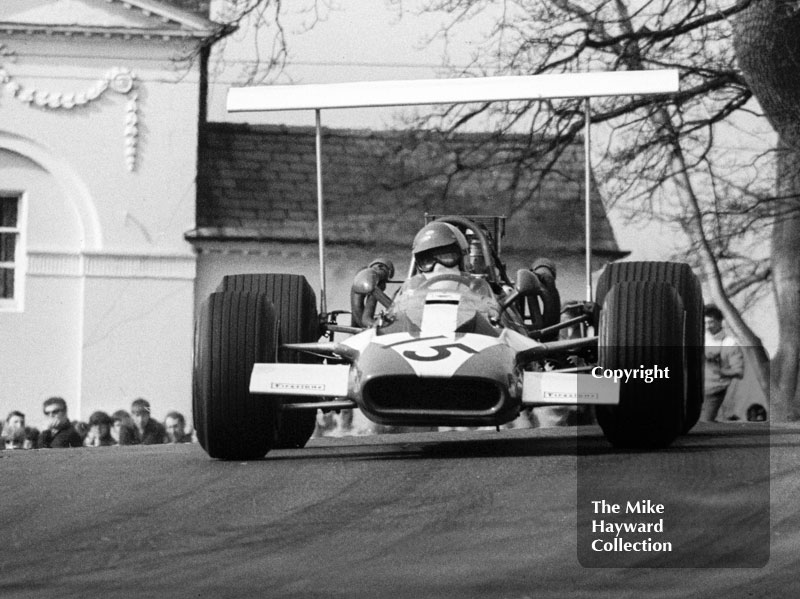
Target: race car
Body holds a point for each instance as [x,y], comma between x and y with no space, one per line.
[473,347]
[465,349]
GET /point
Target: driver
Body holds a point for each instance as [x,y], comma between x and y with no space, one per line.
[440,253]
[439,248]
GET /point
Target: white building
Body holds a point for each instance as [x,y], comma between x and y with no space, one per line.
[99,111]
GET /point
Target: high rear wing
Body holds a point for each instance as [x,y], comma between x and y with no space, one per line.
[367,94]
[363,94]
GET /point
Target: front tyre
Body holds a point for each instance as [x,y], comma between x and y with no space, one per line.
[234,331]
[642,326]
[295,307]
[685,282]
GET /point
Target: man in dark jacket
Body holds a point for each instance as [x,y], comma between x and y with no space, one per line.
[147,431]
[60,433]
[175,424]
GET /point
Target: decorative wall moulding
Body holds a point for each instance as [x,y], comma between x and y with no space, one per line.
[111,266]
[120,80]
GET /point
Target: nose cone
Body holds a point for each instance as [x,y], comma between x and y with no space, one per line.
[417,381]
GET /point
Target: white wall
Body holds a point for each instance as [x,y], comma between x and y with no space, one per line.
[40,344]
[109,290]
[342,263]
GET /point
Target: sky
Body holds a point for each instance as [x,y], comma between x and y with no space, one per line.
[367,41]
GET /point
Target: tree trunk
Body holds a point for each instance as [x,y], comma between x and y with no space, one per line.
[786,279]
[767,45]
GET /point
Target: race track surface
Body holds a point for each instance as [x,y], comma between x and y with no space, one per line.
[446,515]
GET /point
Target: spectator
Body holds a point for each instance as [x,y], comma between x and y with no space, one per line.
[82,428]
[60,432]
[15,419]
[175,424]
[724,362]
[31,437]
[122,428]
[14,437]
[99,434]
[147,431]
[13,428]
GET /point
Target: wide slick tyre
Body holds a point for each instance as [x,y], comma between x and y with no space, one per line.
[642,327]
[234,331]
[686,283]
[295,307]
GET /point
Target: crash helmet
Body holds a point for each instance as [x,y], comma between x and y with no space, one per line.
[439,242]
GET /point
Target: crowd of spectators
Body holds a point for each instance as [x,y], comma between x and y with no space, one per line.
[120,428]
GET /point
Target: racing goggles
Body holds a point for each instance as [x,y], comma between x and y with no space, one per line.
[447,257]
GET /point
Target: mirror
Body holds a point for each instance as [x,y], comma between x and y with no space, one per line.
[527,283]
[365,282]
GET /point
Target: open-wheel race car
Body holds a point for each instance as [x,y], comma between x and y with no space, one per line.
[467,349]
[461,345]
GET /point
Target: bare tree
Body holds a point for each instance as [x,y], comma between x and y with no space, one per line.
[261,22]
[767,44]
[664,157]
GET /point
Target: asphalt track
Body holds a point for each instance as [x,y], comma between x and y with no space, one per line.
[453,515]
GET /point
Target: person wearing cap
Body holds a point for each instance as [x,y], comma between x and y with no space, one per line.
[147,430]
[60,433]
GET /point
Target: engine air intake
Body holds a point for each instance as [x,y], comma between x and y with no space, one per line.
[409,394]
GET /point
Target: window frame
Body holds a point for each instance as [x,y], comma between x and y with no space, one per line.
[16,303]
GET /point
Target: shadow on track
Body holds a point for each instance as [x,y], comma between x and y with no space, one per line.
[577,441]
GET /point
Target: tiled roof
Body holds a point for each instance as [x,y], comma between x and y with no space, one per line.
[259,182]
[198,7]
[150,19]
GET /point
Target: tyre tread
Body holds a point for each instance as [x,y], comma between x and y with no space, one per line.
[680,276]
[235,330]
[294,302]
[638,327]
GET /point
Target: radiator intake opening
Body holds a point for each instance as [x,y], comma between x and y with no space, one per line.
[439,395]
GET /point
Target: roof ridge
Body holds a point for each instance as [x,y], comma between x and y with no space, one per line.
[160,19]
[169,12]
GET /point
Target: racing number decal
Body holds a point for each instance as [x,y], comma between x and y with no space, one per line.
[442,352]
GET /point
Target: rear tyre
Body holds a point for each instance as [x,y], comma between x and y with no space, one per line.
[642,325]
[296,309]
[680,276]
[234,331]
